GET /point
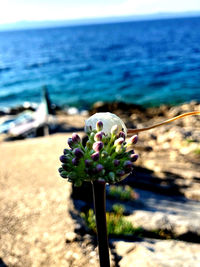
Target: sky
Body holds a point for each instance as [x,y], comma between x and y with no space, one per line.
[40,10]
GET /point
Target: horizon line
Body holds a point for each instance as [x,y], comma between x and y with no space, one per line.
[39,24]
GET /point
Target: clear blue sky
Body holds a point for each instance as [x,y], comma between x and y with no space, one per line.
[38,10]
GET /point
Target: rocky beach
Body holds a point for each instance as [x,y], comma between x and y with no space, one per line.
[40,220]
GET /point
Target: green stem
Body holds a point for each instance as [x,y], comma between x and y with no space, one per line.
[99,197]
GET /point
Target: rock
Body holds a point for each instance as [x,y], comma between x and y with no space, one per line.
[134,255]
[70,237]
[176,215]
[117,107]
[152,253]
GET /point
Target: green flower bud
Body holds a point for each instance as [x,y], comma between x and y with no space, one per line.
[91,137]
[78,183]
[104,154]
[60,169]
[111,176]
[89,144]
[114,129]
[63,174]
[119,149]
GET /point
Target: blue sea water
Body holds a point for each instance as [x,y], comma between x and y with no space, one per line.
[144,62]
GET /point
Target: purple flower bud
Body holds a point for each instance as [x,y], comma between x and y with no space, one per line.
[128,164]
[133,140]
[95,156]
[65,151]
[99,167]
[133,157]
[70,142]
[64,166]
[128,167]
[97,146]
[75,161]
[119,141]
[78,153]
[116,162]
[131,152]
[99,126]
[122,134]
[76,138]
[63,159]
[98,136]
[88,162]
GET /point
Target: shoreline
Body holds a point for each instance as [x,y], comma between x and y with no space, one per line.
[73,110]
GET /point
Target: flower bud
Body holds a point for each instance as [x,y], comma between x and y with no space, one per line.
[95,156]
[120,173]
[97,146]
[122,134]
[99,167]
[91,137]
[104,154]
[76,138]
[65,167]
[133,140]
[88,162]
[133,157]
[63,174]
[114,129]
[89,144]
[65,151]
[70,142]
[78,153]
[71,176]
[60,169]
[116,162]
[118,149]
[99,126]
[75,161]
[128,165]
[63,159]
[119,141]
[98,136]
[77,183]
[111,176]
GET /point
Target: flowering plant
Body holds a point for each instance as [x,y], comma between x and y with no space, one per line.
[106,156]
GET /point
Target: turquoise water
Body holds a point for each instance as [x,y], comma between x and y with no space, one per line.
[146,62]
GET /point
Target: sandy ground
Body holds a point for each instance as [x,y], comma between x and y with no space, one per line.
[35,204]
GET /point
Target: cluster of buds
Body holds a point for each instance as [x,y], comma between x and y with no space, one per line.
[106,155]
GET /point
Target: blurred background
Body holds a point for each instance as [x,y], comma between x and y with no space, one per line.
[85,51]
[62,61]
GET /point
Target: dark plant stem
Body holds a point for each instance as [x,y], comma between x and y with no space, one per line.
[99,197]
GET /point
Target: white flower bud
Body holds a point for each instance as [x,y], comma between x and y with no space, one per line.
[108,119]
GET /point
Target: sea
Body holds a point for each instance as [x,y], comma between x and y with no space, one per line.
[143,62]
